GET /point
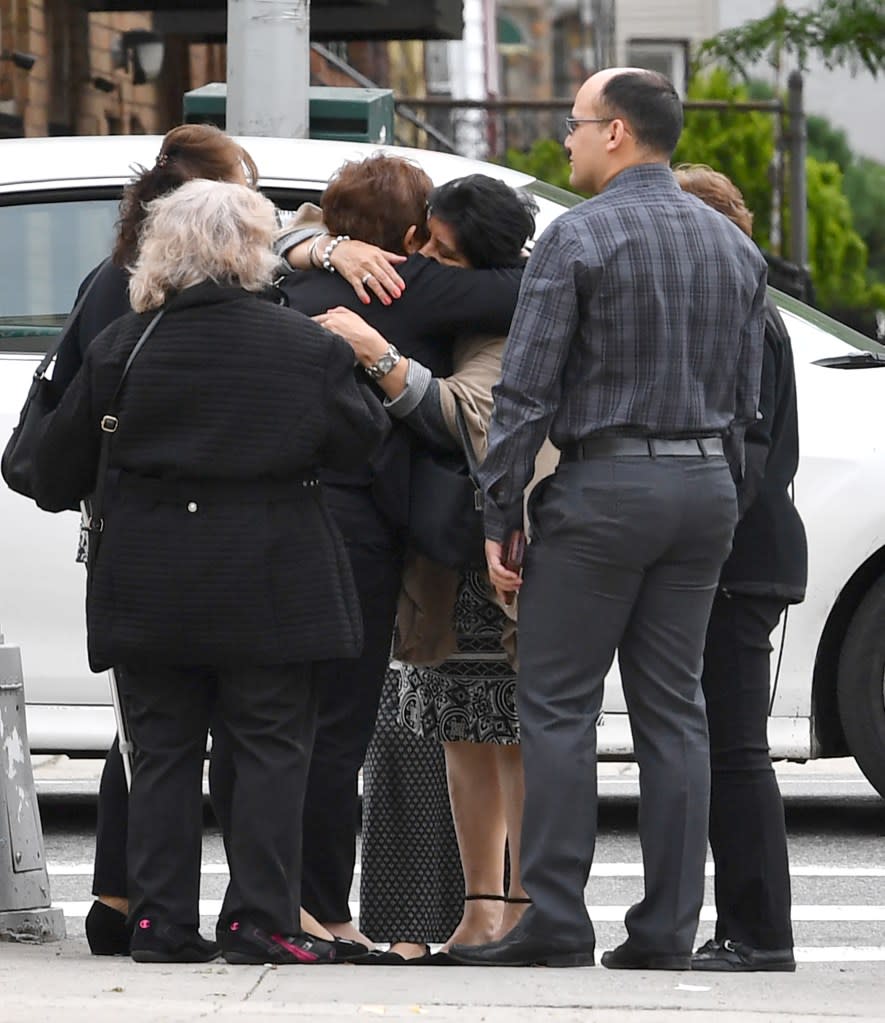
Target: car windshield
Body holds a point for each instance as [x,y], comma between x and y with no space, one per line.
[48,247]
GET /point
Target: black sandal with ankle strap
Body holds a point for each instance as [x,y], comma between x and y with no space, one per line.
[517,900]
[490,898]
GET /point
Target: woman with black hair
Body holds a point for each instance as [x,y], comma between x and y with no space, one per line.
[456,685]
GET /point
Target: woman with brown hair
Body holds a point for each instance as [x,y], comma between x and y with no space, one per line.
[186,152]
[765,572]
[454,691]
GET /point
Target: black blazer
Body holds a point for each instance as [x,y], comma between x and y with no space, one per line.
[216,548]
[769,556]
[439,303]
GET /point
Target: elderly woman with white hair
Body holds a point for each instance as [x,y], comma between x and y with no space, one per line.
[220,578]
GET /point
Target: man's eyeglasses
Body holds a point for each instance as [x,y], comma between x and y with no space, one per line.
[572,122]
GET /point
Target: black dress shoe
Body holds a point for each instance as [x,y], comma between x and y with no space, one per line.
[106,930]
[156,942]
[626,957]
[243,942]
[736,957]
[520,950]
[346,949]
[384,957]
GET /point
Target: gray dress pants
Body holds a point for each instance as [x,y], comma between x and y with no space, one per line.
[625,558]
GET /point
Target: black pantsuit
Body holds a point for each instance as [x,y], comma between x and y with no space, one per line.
[273,713]
[747,831]
[348,704]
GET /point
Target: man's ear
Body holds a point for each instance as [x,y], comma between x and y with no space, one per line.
[410,241]
[618,134]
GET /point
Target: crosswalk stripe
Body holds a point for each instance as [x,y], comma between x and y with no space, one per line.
[598,870]
[606,913]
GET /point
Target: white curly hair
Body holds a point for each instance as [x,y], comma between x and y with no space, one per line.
[203,230]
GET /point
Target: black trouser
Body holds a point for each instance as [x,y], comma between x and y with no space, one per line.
[269,714]
[747,831]
[349,694]
[109,874]
[625,556]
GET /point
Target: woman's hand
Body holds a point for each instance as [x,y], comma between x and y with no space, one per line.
[368,345]
[366,268]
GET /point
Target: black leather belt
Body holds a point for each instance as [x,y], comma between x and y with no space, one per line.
[647,447]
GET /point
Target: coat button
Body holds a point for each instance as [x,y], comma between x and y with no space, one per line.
[192,506]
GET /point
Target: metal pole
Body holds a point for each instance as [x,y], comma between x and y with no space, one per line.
[268,67]
[26,913]
[798,181]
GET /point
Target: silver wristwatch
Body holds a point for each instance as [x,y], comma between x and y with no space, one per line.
[384,364]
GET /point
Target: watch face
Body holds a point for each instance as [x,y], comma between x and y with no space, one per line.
[384,365]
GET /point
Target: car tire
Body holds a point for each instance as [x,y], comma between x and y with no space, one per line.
[860,686]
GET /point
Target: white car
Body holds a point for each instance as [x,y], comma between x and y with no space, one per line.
[58,204]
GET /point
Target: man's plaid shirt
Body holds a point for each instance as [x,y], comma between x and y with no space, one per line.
[641,312]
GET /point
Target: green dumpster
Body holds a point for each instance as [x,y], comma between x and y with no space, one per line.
[350,115]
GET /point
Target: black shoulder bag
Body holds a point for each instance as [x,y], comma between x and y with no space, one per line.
[445,503]
[109,423]
[17,463]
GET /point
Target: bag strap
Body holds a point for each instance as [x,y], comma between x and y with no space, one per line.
[466,443]
[109,424]
[69,323]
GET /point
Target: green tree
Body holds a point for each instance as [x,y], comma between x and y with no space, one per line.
[546,160]
[827,143]
[836,253]
[739,143]
[865,188]
[843,33]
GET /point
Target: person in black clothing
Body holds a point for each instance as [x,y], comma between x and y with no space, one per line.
[765,572]
[382,200]
[187,152]
[220,578]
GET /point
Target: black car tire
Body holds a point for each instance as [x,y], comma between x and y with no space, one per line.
[860,686]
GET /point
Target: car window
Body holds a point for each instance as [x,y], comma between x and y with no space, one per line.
[48,248]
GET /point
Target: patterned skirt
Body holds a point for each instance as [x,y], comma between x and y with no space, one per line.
[471,697]
[411,885]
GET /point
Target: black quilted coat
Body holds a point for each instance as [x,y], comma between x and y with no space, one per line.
[217,547]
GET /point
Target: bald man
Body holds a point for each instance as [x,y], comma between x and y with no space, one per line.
[637,343]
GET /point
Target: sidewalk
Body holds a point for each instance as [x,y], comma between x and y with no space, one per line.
[41,983]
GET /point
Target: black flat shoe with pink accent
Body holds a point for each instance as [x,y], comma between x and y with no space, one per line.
[242,942]
[156,942]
